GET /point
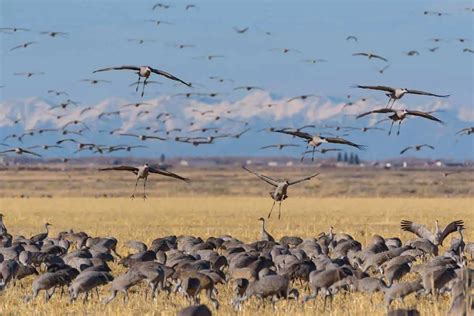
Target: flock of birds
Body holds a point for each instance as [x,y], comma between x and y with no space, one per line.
[74,130]
[329,265]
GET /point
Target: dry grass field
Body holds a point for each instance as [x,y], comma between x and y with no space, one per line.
[213,216]
[72,181]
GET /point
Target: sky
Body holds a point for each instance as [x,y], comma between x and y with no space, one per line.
[99,34]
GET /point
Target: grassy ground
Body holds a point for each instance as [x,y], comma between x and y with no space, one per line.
[214,216]
[226,181]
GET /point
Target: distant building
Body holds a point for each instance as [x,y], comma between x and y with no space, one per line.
[184,163]
[272,164]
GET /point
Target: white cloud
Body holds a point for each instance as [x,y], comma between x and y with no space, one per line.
[466,113]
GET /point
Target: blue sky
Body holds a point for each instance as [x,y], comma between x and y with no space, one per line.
[99,33]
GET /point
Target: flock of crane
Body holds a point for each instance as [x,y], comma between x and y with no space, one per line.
[329,265]
[269,269]
[73,128]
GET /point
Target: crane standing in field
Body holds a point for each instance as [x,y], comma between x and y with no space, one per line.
[281,188]
[263,233]
[3,228]
[143,172]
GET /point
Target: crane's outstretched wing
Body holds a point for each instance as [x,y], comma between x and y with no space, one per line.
[451,228]
[381,88]
[360,54]
[168,75]
[67,140]
[383,110]
[30,152]
[167,174]
[429,146]
[427,93]
[263,177]
[379,57]
[405,150]
[279,146]
[269,146]
[417,229]
[337,140]
[296,133]
[127,67]
[125,168]
[303,179]
[156,137]
[425,115]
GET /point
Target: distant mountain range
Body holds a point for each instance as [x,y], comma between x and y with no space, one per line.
[230,117]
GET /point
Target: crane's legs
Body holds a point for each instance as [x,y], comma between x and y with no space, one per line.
[393,102]
[270,214]
[390,131]
[312,157]
[399,124]
[144,189]
[279,210]
[138,83]
[143,86]
[302,157]
[110,298]
[135,189]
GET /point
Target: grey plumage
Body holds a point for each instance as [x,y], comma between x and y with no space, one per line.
[281,187]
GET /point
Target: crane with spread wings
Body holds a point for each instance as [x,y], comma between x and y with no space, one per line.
[143,172]
[281,188]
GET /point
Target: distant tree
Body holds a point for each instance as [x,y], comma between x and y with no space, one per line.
[162,158]
[356,159]
[339,157]
[346,158]
[351,159]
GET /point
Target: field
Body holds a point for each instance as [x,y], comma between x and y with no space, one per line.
[73,181]
[214,214]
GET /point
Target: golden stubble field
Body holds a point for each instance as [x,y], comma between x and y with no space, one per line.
[213,216]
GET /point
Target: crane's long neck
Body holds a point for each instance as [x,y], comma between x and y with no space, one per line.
[47,229]
[263,225]
[437,226]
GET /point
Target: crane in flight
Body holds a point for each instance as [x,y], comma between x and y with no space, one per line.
[281,188]
[144,72]
[143,172]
